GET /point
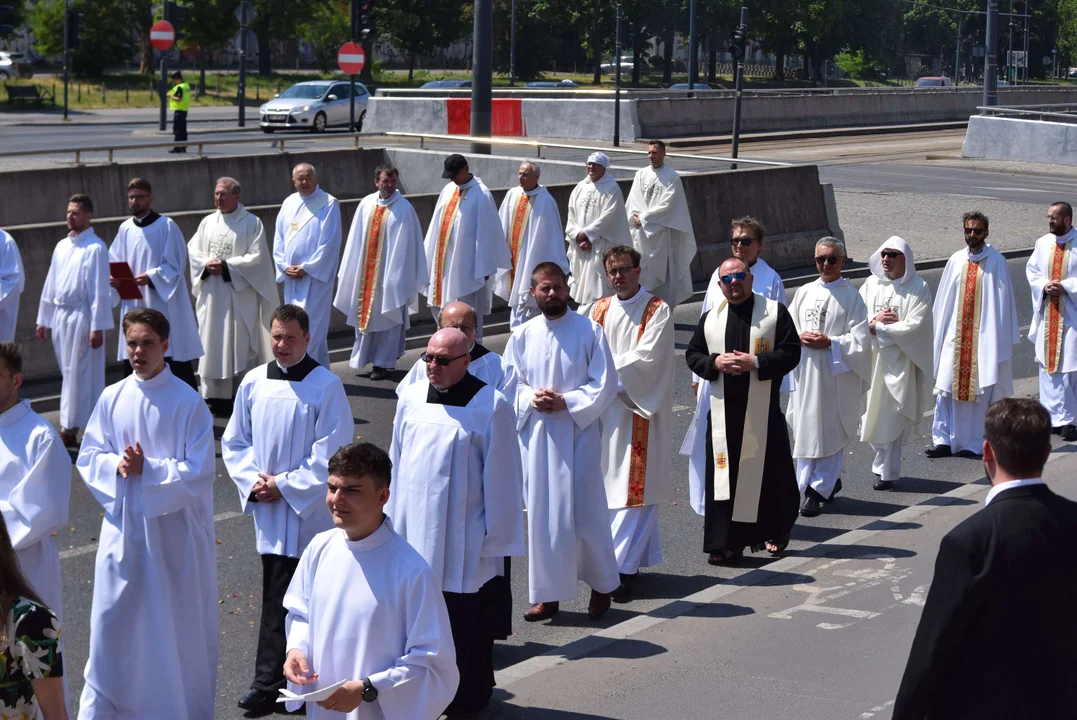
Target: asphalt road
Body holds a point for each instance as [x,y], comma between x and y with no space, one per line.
[683,572]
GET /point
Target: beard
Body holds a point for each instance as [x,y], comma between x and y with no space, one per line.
[553,307]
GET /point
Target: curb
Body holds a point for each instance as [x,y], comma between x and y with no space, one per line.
[817,133]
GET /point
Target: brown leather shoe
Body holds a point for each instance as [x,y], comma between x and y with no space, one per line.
[600,603]
[542,611]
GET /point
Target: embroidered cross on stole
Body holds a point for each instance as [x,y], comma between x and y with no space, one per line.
[967,338]
[1053,320]
[448,219]
[641,426]
[370,266]
[521,213]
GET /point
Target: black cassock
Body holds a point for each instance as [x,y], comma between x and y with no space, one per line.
[779,499]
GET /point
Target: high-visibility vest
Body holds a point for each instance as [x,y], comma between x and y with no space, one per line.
[184,102]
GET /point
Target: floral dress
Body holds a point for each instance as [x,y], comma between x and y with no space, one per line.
[30,648]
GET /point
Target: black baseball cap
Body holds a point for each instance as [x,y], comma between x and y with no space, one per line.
[453,164]
[177,75]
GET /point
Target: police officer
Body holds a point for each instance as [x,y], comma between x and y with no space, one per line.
[179,101]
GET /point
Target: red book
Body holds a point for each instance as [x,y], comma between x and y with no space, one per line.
[126,287]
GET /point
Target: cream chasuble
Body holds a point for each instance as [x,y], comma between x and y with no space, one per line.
[1052,330]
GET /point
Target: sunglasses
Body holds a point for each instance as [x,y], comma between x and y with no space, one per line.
[440,360]
[738,276]
[742,241]
[891,254]
[975,231]
[827,260]
[614,272]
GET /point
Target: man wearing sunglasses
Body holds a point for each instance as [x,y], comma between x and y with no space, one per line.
[829,384]
[1052,275]
[743,347]
[899,305]
[457,499]
[975,316]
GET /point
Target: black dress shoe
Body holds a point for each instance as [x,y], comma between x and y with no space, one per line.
[1069,433]
[968,454]
[837,489]
[811,506]
[259,701]
[1057,429]
[881,484]
[938,451]
[623,593]
[377,374]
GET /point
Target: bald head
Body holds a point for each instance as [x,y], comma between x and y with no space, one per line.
[461,316]
[735,280]
[304,179]
[446,358]
[734,264]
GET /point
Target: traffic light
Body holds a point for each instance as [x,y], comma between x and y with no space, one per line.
[174,14]
[366,17]
[7,20]
[736,45]
[74,28]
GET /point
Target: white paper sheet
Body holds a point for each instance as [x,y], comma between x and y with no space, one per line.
[315,696]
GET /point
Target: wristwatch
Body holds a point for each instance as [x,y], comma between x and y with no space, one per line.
[370,693]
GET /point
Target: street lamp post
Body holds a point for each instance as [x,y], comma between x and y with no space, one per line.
[691,44]
[991,56]
[617,81]
[482,75]
[512,46]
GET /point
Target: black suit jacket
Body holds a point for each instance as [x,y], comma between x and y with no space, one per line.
[998,635]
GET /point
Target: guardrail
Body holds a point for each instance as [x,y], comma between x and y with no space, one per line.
[538,145]
[1028,112]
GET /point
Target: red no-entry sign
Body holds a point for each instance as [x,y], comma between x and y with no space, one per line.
[162,35]
[351,58]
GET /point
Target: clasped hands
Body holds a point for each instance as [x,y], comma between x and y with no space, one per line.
[814,340]
[1054,289]
[132,461]
[296,272]
[266,490]
[886,317]
[215,266]
[582,241]
[347,697]
[734,363]
[547,401]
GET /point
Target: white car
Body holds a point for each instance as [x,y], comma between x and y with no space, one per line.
[7,66]
[314,106]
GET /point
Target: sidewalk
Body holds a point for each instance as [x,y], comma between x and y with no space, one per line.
[120,116]
[817,636]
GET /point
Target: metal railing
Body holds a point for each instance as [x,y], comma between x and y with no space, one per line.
[538,145]
[1062,112]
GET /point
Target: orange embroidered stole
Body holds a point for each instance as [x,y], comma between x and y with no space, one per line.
[1052,326]
[370,266]
[967,338]
[448,218]
[520,215]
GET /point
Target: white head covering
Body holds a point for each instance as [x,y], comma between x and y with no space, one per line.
[599,158]
[875,262]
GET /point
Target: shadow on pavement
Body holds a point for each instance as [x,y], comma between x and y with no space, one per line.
[926,486]
[508,655]
[855,506]
[941,501]
[497,711]
[815,533]
[629,649]
[386,392]
[663,586]
[890,525]
[720,610]
[855,552]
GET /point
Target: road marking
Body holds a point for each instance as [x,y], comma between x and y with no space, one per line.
[92,547]
[811,607]
[871,713]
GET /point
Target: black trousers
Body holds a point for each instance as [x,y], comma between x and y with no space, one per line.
[179,125]
[277,572]
[183,369]
[474,652]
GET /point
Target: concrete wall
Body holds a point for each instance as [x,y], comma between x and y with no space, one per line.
[1035,141]
[790,201]
[771,112]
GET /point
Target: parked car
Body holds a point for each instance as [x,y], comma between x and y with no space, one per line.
[445,85]
[929,82]
[13,65]
[314,106]
[684,86]
[551,84]
[610,66]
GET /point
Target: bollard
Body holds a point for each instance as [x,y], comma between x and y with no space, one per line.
[218,84]
[103,92]
[126,92]
[80,93]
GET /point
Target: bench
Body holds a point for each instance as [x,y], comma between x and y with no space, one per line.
[28,94]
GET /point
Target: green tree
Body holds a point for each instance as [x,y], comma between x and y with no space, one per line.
[545,29]
[208,25]
[100,46]
[327,28]
[277,20]
[18,17]
[421,28]
[1067,35]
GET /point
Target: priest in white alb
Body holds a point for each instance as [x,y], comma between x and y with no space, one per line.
[532,225]
[636,427]
[899,321]
[306,250]
[975,314]
[76,308]
[485,365]
[743,347]
[35,483]
[235,293]
[12,283]
[384,266]
[365,610]
[565,381]
[661,227]
[829,383]
[465,245]
[148,459]
[1052,277]
[461,507]
[596,222]
[291,415]
[746,244]
[154,249]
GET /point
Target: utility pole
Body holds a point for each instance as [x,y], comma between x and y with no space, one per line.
[957,52]
[244,20]
[512,46]
[1028,21]
[738,58]
[1011,66]
[617,82]
[482,75]
[162,85]
[691,45]
[991,56]
[67,50]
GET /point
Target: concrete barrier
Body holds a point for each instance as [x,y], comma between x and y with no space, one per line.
[1007,138]
[789,200]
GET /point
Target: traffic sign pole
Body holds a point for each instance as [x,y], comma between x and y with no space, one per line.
[351,59]
[162,37]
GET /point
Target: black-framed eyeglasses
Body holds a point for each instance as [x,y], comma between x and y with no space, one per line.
[439,359]
[891,254]
[826,260]
[461,328]
[975,231]
[737,276]
[742,241]
[137,197]
[613,272]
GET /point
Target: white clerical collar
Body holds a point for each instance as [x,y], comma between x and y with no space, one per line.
[310,198]
[14,413]
[557,319]
[157,380]
[470,183]
[79,235]
[389,200]
[831,285]
[374,540]
[535,191]
[1063,239]
[1002,487]
[632,300]
[979,255]
[285,370]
